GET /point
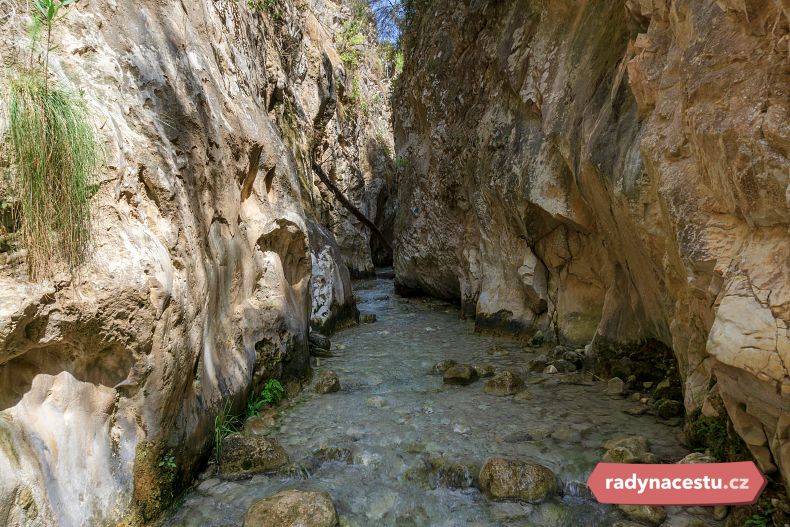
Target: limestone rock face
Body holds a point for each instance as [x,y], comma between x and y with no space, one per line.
[211,256]
[609,172]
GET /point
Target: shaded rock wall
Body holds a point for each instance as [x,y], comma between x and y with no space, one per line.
[209,259]
[610,172]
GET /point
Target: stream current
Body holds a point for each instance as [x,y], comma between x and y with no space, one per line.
[398,421]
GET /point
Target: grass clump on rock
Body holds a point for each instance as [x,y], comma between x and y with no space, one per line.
[55,155]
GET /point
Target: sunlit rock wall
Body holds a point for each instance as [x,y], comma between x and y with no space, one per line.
[609,171]
[207,243]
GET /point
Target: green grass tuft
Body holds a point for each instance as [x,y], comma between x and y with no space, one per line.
[56,154]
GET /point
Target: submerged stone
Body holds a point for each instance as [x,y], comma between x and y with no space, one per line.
[246,455]
[292,508]
[327,382]
[645,513]
[517,480]
[460,374]
[503,384]
[440,367]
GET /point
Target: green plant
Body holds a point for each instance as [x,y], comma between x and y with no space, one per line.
[225,423]
[168,462]
[55,153]
[762,517]
[261,5]
[272,393]
[350,38]
[713,434]
[47,12]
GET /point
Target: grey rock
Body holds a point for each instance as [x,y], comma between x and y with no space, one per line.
[460,374]
[503,384]
[327,382]
[245,455]
[615,386]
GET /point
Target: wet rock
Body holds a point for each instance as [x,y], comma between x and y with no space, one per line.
[537,339]
[329,454]
[518,480]
[538,364]
[668,408]
[631,449]
[720,512]
[440,367]
[376,402]
[497,351]
[367,318]
[564,366]
[573,357]
[449,474]
[524,395]
[245,455]
[319,340]
[521,436]
[636,410]
[624,455]
[645,513]
[550,369]
[460,374]
[636,397]
[292,508]
[321,352]
[503,383]
[615,386]
[484,370]
[327,382]
[695,458]
[634,443]
[260,424]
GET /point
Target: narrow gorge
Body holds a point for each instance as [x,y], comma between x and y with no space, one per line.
[411,263]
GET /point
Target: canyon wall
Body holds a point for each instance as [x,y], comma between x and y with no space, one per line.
[214,243]
[613,173]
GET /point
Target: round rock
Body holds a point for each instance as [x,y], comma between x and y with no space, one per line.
[327,382]
[504,479]
[460,374]
[504,383]
[245,455]
[292,508]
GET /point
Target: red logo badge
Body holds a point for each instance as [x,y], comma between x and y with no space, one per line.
[686,484]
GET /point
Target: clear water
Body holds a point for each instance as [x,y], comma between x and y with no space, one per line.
[393,415]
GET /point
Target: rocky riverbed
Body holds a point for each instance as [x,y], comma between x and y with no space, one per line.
[397,445]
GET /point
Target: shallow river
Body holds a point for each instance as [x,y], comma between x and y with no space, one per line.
[394,417]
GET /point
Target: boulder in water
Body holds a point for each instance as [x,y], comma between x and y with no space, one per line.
[327,382]
[504,383]
[460,374]
[504,479]
[440,367]
[292,508]
[645,513]
[245,455]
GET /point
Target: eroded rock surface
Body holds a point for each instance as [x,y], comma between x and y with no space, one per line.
[615,173]
[215,244]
